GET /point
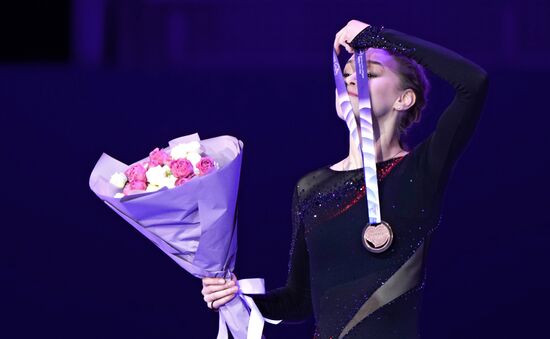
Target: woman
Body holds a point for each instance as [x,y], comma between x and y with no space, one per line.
[351,292]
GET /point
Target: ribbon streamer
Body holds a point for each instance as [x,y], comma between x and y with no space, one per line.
[363,138]
[256,320]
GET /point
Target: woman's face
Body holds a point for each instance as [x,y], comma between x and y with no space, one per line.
[384,83]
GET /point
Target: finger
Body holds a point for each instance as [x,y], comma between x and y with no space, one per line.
[349,49]
[337,40]
[223,301]
[344,36]
[340,38]
[215,288]
[336,37]
[220,294]
[344,42]
[213,281]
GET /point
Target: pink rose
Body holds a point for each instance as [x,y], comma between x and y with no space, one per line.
[181,168]
[134,186]
[136,172]
[205,165]
[158,157]
[183,180]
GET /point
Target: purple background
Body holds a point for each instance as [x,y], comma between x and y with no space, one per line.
[124,76]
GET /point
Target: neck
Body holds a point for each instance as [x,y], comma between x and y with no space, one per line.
[386,142]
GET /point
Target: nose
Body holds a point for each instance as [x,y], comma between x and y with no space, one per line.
[351,79]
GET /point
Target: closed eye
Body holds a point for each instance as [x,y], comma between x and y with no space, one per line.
[369,75]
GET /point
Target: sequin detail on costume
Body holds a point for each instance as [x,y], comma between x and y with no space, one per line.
[370,37]
[328,205]
[384,171]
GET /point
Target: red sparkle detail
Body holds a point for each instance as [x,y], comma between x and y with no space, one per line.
[383,172]
[360,194]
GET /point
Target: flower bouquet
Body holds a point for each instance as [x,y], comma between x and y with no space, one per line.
[163,169]
[183,198]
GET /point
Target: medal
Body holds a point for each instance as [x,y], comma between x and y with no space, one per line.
[377,238]
[377,235]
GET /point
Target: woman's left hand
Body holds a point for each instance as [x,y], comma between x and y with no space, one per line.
[347,34]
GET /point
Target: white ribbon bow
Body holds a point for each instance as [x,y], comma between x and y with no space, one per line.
[241,314]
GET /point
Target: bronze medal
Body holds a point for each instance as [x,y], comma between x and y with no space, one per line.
[377,235]
[377,238]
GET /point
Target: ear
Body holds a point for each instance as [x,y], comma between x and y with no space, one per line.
[406,100]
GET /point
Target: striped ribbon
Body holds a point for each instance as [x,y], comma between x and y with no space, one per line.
[364,137]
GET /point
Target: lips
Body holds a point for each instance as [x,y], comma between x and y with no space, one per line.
[352,94]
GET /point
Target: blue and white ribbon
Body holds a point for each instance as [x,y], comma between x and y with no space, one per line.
[363,138]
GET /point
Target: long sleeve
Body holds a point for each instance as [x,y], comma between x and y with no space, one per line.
[291,303]
[457,123]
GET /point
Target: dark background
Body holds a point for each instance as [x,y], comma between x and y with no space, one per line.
[82,77]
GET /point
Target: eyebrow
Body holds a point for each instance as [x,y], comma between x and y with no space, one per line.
[374,62]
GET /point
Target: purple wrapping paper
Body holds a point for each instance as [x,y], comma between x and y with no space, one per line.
[195,224]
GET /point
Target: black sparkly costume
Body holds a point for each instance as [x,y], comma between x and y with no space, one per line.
[351,292]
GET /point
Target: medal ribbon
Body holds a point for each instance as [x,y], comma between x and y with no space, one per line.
[363,138]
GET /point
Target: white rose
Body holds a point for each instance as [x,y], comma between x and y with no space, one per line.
[157,175]
[194,157]
[170,181]
[180,150]
[152,188]
[160,176]
[194,146]
[118,180]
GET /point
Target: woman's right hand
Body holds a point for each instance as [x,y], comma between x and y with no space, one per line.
[346,35]
[219,291]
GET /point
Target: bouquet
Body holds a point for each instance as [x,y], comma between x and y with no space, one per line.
[164,169]
[183,198]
